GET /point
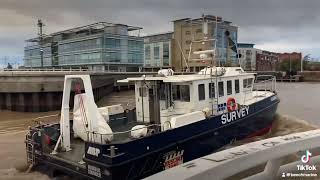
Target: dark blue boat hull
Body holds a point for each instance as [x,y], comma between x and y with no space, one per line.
[141,158]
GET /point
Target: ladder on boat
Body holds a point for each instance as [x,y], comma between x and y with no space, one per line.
[30,151]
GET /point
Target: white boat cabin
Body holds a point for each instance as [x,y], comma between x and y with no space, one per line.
[159,99]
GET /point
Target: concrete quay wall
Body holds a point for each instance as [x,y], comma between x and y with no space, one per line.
[311,76]
[42,91]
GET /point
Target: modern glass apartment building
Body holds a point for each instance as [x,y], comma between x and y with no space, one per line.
[99,46]
[157,50]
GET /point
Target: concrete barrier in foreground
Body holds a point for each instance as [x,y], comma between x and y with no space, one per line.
[230,162]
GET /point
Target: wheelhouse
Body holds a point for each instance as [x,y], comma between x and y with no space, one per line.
[158,99]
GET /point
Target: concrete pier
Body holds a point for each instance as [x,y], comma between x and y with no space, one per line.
[42,91]
[310,76]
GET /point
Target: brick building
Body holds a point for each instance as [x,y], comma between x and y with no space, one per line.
[253,59]
[290,56]
[267,61]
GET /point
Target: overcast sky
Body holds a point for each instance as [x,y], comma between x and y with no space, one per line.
[275,25]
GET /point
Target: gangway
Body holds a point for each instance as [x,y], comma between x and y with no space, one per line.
[230,162]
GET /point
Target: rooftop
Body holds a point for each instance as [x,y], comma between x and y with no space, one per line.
[245,45]
[95,27]
[210,18]
[157,34]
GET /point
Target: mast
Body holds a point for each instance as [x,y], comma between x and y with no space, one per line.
[40,34]
[215,55]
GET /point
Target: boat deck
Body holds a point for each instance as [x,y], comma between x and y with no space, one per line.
[257,96]
[77,152]
[74,156]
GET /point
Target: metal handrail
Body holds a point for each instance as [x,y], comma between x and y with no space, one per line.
[45,69]
[272,79]
[123,132]
[94,134]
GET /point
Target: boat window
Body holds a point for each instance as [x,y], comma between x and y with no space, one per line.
[143,91]
[229,87]
[220,88]
[176,92]
[247,83]
[185,93]
[201,92]
[212,90]
[236,84]
[162,91]
[181,93]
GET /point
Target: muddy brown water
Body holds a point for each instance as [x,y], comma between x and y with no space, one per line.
[296,98]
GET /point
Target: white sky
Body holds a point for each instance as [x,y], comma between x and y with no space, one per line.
[274,25]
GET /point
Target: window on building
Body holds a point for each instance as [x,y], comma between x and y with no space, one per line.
[156,52]
[188,42]
[181,93]
[165,50]
[133,44]
[247,83]
[187,51]
[188,33]
[236,86]
[147,51]
[211,90]
[221,89]
[166,54]
[201,92]
[117,43]
[229,87]
[112,56]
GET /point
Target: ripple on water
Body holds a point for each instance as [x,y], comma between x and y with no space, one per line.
[14,174]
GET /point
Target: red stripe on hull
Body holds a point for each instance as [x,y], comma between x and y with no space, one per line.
[260,132]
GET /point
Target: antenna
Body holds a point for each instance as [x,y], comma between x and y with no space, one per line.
[204,27]
[40,34]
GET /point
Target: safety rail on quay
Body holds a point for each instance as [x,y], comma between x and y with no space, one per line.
[22,72]
[229,163]
[47,69]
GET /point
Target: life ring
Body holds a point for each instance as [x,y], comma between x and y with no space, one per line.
[231,104]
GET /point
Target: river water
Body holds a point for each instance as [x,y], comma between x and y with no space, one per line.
[298,111]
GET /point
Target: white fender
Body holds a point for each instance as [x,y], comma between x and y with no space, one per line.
[139,131]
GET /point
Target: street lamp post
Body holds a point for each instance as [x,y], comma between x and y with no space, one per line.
[40,25]
[301,64]
[290,66]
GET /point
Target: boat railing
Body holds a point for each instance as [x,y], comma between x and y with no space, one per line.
[121,136]
[261,87]
[265,83]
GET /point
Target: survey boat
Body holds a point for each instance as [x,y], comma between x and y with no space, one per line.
[177,118]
